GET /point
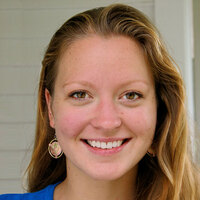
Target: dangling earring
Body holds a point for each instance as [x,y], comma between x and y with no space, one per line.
[54,149]
[151,153]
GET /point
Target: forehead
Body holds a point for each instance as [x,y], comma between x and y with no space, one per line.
[117,56]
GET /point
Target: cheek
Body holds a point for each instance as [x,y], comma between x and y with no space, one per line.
[69,122]
[142,121]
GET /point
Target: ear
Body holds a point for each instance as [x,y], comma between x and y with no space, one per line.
[49,103]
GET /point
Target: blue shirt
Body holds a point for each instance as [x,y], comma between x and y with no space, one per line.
[44,194]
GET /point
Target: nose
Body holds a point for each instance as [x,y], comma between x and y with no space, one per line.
[106,116]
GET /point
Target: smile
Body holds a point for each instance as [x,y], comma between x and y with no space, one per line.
[106,146]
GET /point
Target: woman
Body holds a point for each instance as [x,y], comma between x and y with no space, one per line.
[110,113]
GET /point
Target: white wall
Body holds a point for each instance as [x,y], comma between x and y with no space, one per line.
[26,28]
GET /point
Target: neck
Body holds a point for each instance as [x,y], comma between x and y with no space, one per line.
[82,187]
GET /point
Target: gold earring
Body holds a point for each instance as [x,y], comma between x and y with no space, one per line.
[54,149]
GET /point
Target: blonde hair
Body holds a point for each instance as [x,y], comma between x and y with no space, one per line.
[171,174]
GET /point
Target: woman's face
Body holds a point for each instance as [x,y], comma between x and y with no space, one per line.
[104,106]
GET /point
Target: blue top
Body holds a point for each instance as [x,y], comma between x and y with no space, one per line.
[44,194]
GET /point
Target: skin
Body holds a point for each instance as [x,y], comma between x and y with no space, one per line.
[117,101]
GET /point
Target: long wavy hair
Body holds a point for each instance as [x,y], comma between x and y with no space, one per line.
[170,175]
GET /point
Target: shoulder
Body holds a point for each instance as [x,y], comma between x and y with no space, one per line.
[45,194]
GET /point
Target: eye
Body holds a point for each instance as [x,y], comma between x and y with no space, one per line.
[131,96]
[80,95]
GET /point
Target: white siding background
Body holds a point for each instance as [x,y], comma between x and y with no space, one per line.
[26,27]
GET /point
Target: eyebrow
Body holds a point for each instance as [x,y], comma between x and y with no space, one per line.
[85,83]
[135,81]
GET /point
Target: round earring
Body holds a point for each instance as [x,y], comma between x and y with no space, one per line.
[54,149]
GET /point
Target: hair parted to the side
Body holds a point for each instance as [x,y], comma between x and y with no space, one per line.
[169,176]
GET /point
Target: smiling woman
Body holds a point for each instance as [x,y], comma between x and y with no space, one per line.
[107,110]
[111,111]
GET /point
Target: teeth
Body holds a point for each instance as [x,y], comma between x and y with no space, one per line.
[109,145]
[104,145]
[98,144]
